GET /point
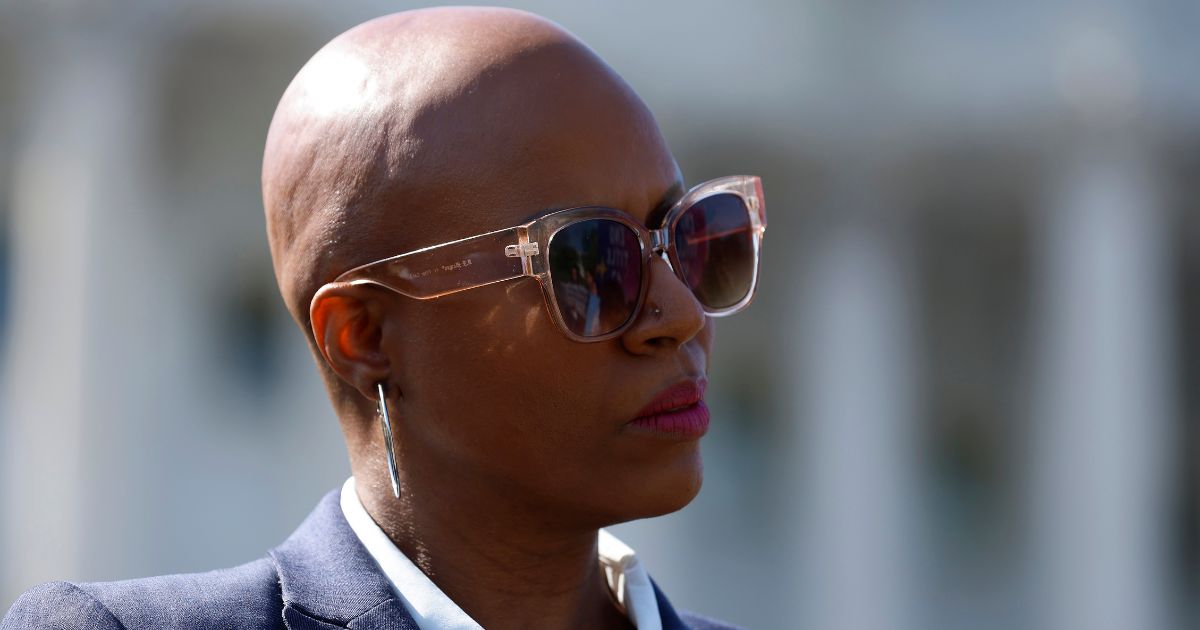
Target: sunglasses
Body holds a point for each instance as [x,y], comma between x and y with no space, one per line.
[593,263]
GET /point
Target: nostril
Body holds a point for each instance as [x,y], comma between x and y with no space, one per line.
[662,342]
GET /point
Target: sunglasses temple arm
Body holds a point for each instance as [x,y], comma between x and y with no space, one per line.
[451,267]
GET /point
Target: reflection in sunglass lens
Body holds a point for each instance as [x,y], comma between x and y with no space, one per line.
[596,272]
[715,245]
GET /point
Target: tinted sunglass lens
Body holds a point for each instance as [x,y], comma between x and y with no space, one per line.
[714,241]
[596,272]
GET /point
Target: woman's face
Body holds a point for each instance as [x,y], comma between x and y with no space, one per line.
[493,394]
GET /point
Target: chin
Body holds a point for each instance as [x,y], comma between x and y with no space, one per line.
[666,487]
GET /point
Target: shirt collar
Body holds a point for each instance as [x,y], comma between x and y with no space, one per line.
[433,609]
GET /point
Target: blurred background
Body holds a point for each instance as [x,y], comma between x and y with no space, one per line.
[966,396]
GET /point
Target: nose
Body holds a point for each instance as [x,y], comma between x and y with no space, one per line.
[681,317]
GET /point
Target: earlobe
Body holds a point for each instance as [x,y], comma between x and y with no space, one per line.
[347,327]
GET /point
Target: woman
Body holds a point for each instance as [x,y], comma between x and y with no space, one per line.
[424,175]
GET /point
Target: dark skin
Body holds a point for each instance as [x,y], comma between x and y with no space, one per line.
[512,440]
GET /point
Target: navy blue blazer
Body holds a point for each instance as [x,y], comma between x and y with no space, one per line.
[320,578]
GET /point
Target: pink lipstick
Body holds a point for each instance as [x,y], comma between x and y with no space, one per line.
[678,412]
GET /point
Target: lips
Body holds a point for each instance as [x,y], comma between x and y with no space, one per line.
[677,412]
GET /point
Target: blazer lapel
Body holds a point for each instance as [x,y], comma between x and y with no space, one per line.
[329,581]
[670,619]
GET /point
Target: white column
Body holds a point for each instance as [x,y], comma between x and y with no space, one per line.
[855,445]
[74,233]
[1102,402]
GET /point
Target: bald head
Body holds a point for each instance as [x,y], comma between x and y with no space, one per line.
[431,125]
[435,125]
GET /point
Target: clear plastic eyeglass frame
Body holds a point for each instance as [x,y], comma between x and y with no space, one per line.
[521,251]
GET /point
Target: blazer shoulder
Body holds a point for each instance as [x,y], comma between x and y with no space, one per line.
[58,606]
[700,622]
[241,597]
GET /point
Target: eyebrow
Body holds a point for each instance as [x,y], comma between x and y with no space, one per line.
[668,200]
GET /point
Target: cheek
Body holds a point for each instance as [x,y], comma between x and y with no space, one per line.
[501,380]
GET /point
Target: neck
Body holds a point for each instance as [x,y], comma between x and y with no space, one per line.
[501,563]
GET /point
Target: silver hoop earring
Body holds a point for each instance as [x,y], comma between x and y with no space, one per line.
[386,421]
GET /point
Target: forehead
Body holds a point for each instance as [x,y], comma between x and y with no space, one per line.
[553,129]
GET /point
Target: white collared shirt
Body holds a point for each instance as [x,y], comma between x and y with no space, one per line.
[433,610]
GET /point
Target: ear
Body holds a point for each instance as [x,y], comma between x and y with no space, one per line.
[347,323]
